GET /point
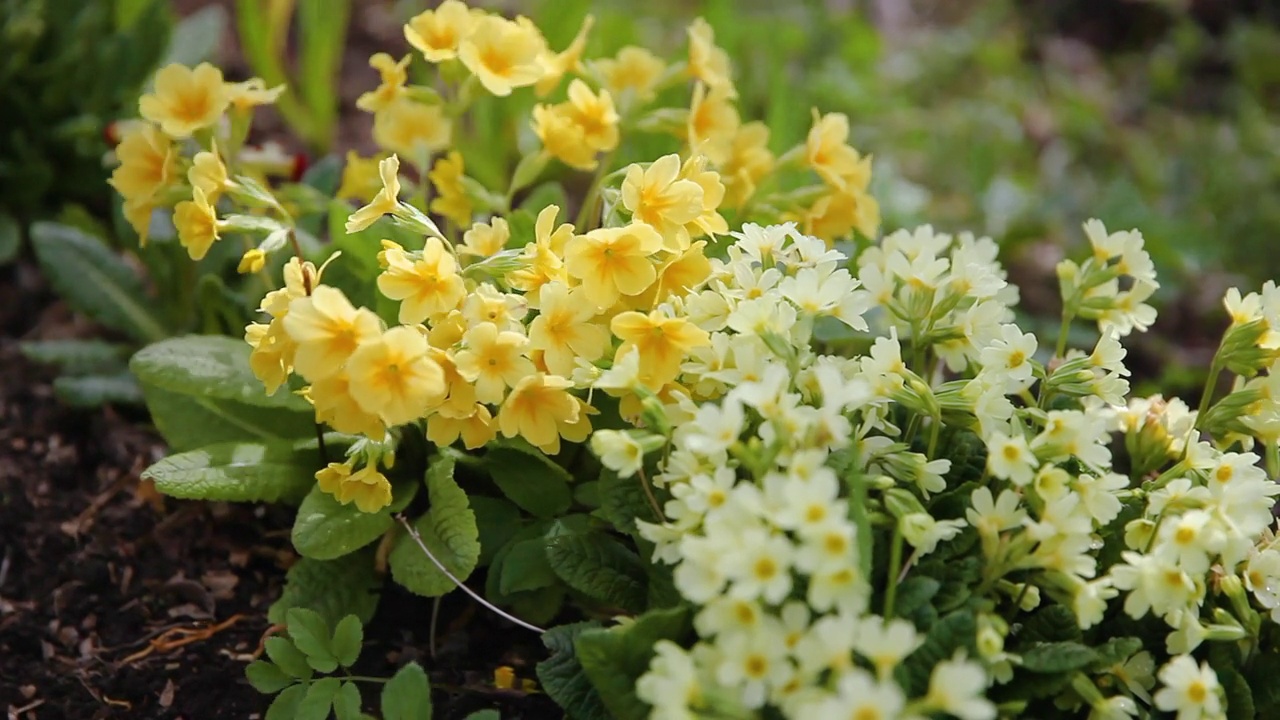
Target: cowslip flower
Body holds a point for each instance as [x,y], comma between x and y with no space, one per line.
[148,163]
[575,131]
[541,410]
[827,151]
[485,239]
[475,430]
[411,128]
[633,70]
[556,65]
[493,360]
[748,162]
[713,121]
[612,262]
[503,54]
[327,329]
[360,178]
[451,199]
[367,488]
[386,201]
[662,342]
[394,74]
[425,287]
[185,99]
[437,33]
[336,407]
[197,223]
[209,174]
[658,197]
[563,331]
[394,378]
[707,62]
[244,96]
[542,257]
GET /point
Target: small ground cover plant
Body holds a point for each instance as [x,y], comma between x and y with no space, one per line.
[770,465]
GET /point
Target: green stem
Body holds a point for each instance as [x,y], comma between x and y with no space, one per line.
[366,678]
[1061,348]
[1215,369]
[1273,459]
[895,566]
[934,427]
[592,200]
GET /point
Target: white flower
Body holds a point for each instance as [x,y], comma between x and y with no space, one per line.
[860,696]
[672,682]
[885,644]
[1189,690]
[1090,601]
[1119,707]
[1010,356]
[1154,585]
[761,567]
[618,451]
[1189,540]
[924,532]
[995,516]
[1010,458]
[754,662]
[957,687]
[714,428]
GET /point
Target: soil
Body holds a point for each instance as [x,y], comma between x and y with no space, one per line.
[116,602]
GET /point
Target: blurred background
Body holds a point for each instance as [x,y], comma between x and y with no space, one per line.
[1018,120]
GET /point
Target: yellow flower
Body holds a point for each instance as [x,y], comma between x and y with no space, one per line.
[185,100]
[633,70]
[833,215]
[331,476]
[562,137]
[661,341]
[245,96]
[367,488]
[272,357]
[476,429]
[541,410]
[748,163]
[613,261]
[485,239]
[684,272]
[360,179]
[828,153]
[451,199]
[197,224]
[555,65]
[412,128]
[542,257]
[425,287]
[712,123]
[391,90]
[334,405]
[564,331]
[488,304]
[494,360]
[658,197]
[209,174]
[707,62]
[437,33]
[576,130]
[384,202]
[503,54]
[709,222]
[148,162]
[299,278]
[327,329]
[595,114]
[462,394]
[138,214]
[252,261]
[394,378]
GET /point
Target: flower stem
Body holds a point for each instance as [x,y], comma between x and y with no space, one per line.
[895,567]
[592,200]
[1215,369]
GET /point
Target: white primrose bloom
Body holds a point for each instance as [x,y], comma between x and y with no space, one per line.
[859,695]
[754,662]
[714,428]
[618,451]
[760,567]
[672,684]
[956,687]
[1010,356]
[1010,458]
[1189,690]
[1155,585]
[885,644]
[924,532]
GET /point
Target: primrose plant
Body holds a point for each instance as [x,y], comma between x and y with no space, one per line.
[761,470]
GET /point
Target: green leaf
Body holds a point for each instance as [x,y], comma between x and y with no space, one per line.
[531,480]
[563,678]
[1116,650]
[346,704]
[623,501]
[95,281]
[348,636]
[287,657]
[1058,657]
[484,715]
[10,238]
[310,633]
[348,585]
[496,521]
[526,567]
[266,677]
[78,357]
[952,632]
[615,658]
[285,706]
[197,36]
[1054,623]
[599,567]
[326,529]
[448,529]
[319,699]
[914,592]
[1262,674]
[238,472]
[1240,705]
[407,695]
[89,391]
[211,366]
[191,421]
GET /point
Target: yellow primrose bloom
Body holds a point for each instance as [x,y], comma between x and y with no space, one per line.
[252,261]
[272,357]
[709,222]
[331,476]
[748,163]
[476,429]
[633,69]
[197,224]
[556,65]
[493,360]
[209,174]
[367,488]
[451,199]
[245,96]
[412,128]
[827,151]
[394,378]
[564,331]
[138,214]
[684,272]
[299,278]
[543,263]
[707,62]
[595,114]
[658,197]
[488,304]
[447,330]
[503,54]
[662,342]
[612,262]
[394,74]
[336,407]
[148,162]
[327,329]
[425,287]
[541,410]
[712,123]
[185,100]
[462,394]
[386,201]
[485,239]
[437,33]
[360,179]
[562,137]
[833,215]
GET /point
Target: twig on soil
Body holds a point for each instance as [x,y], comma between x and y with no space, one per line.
[82,521]
[175,638]
[413,533]
[15,712]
